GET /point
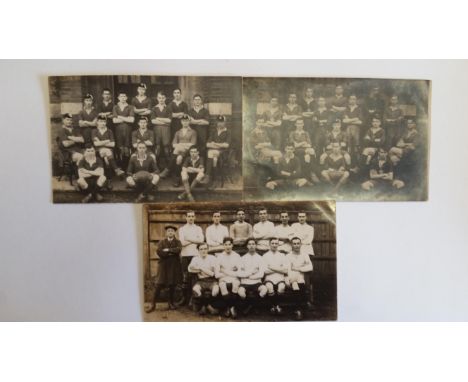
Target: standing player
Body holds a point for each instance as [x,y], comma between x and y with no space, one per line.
[338,102]
[190,235]
[393,119]
[284,233]
[305,232]
[70,140]
[141,102]
[105,107]
[161,119]
[308,105]
[142,173]
[292,111]
[199,121]
[142,134]
[204,266]
[229,264]
[217,144]
[240,231]
[272,123]
[123,117]
[215,234]
[374,103]
[381,173]
[407,144]
[276,270]
[263,231]
[299,263]
[183,140]
[103,140]
[193,173]
[374,138]
[87,117]
[169,271]
[91,176]
[353,121]
[322,118]
[178,109]
[335,168]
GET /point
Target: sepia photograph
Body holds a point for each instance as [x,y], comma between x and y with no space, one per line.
[247,261]
[137,138]
[336,138]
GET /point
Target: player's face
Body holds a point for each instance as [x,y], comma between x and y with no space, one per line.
[251,246]
[161,99]
[141,148]
[375,122]
[68,122]
[143,124]
[106,95]
[185,123]
[170,233]
[339,90]
[284,218]
[122,98]
[227,246]
[216,218]
[241,216]
[101,124]
[296,245]
[176,94]
[300,124]
[352,100]
[336,127]
[301,218]
[289,150]
[336,148]
[90,153]
[193,153]
[141,91]
[88,102]
[321,102]
[292,98]
[274,245]
[190,217]
[394,100]
[197,101]
[274,102]
[382,155]
[309,93]
[203,250]
[263,215]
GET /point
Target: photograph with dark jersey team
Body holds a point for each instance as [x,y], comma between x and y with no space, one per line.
[236,269]
[343,139]
[141,138]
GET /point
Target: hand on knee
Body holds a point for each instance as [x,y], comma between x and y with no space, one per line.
[196,290]
[270,289]
[155,179]
[215,290]
[223,289]
[241,292]
[281,288]
[262,291]
[130,181]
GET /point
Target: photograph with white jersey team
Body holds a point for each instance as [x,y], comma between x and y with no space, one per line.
[236,270]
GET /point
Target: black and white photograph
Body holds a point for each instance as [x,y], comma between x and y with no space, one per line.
[272,261]
[336,138]
[137,138]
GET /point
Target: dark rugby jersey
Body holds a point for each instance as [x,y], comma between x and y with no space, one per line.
[137,136]
[355,113]
[156,112]
[199,163]
[223,137]
[180,108]
[273,116]
[63,135]
[103,108]
[201,114]
[144,104]
[341,138]
[374,138]
[147,164]
[127,111]
[88,116]
[292,166]
[339,102]
[381,167]
[323,117]
[299,136]
[107,134]
[335,164]
[393,113]
[309,106]
[90,166]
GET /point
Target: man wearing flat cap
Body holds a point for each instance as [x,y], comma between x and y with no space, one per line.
[169,267]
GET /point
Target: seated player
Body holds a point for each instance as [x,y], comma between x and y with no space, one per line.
[263,231]
[91,177]
[335,168]
[193,173]
[276,270]
[305,232]
[142,134]
[183,140]
[70,140]
[229,263]
[284,233]
[142,173]
[199,120]
[373,140]
[299,263]
[381,173]
[338,102]
[169,268]
[215,234]
[161,118]
[251,272]
[87,117]
[218,142]
[288,172]
[204,266]
[141,102]
[406,145]
[123,117]
[240,231]
[262,148]
[300,139]
[337,135]
[272,123]
[103,140]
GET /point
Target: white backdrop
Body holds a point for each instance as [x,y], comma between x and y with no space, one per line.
[396,261]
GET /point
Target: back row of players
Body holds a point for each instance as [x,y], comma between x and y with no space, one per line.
[312,141]
[274,256]
[179,136]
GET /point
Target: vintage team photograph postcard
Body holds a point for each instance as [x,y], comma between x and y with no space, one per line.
[336,138]
[137,138]
[244,261]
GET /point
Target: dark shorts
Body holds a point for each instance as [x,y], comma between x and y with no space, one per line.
[162,135]
[207,284]
[250,288]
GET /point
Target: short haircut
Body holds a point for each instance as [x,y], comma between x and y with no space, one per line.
[292,93]
[262,209]
[227,238]
[141,143]
[177,89]
[193,147]
[273,238]
[190,212]
[89,146]
[106,90]
[197,95]
[296,238]
[217,212]
[201,245]
[122,92]
[284,212]
[301,212]
[299,120]
[251,239]
[240,210]
[161,93]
